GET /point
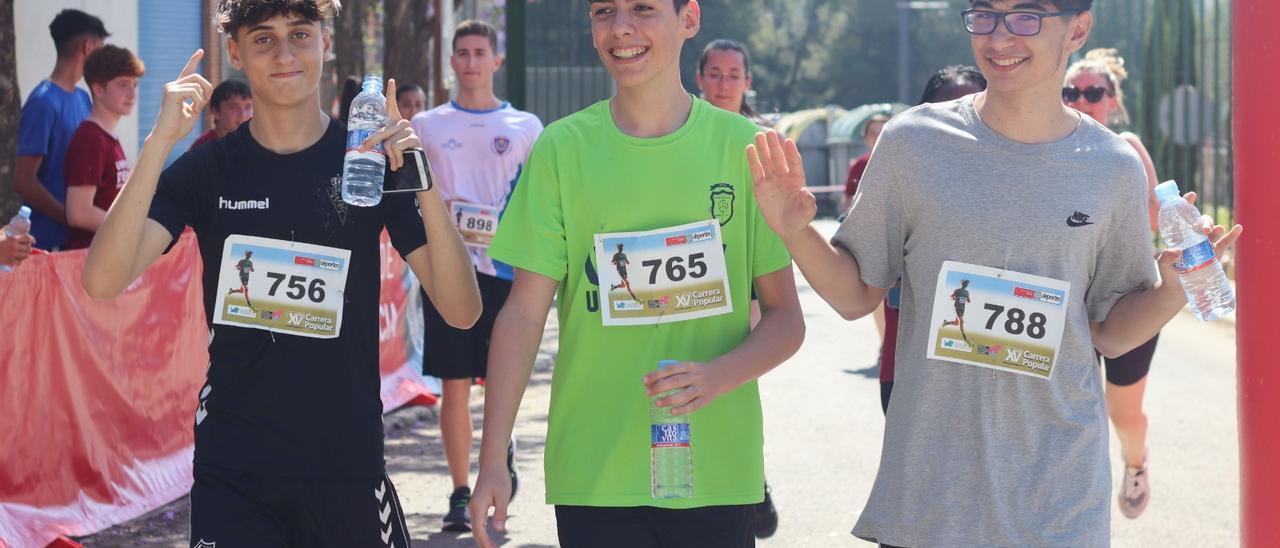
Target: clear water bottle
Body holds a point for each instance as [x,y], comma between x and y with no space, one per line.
[362,171]
[19,225]
[670,454]
[1202,277]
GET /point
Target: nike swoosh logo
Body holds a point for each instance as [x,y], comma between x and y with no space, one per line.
[1075,224]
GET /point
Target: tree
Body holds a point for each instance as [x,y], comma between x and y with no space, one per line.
[10,108]
[408,46]
[348,49]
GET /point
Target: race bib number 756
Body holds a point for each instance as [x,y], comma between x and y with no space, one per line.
[286,287]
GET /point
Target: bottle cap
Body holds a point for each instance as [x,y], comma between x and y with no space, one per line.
[372,79]
[25,212]
[664,363]
[1167,191]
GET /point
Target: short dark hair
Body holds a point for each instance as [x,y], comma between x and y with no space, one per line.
[233,14]
[226,90]
[406,88]
[953,75]
[1065,5]
[71,24]
[473,27]
[110,62]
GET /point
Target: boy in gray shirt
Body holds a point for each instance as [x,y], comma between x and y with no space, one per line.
[1034,216]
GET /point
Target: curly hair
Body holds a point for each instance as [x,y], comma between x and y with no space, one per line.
[1109,65]
[110,62]
[233,14]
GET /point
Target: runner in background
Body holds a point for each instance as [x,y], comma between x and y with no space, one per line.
[948,84]
[724,76]
[230,105]
[288,426]
[96,167]
[1051,289]
[411,100]
[666,173]
[1094,88]
[477,146]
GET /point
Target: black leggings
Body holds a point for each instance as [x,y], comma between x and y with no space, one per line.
[1132,367]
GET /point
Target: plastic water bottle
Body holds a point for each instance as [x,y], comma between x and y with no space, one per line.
[362,171]
[19,225]
[670,454]
[1202,277]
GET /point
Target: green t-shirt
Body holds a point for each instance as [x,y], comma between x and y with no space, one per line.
[585,177]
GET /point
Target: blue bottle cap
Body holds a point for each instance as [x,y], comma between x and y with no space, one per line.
[664,363]
[25,212]
[1167,191]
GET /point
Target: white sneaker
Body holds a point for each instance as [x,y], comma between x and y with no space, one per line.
[1135,491]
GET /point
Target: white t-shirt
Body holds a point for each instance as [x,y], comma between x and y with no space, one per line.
[476,157]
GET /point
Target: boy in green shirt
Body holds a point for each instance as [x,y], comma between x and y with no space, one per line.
[665,175]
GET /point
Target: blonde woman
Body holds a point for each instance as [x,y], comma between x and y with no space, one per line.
[1093,86]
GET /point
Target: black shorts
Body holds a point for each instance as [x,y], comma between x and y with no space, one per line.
[649,527]
[960,311]
[622,272]
[1132,367]
[451,353]
[244,280]
[242,510]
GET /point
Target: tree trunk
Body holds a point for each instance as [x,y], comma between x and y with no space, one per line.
[406,37]
[10,107]
[348,50]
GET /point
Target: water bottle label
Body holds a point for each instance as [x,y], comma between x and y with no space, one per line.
[357,137]
[670,435]
[1195,258]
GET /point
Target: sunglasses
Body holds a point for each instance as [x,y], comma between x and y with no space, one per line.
[1019,23]
[1092,94]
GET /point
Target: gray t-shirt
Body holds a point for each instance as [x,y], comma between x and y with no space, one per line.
[973,456]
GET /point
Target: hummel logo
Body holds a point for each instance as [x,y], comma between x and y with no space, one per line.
[1078,219]
[205,544]
[224,203]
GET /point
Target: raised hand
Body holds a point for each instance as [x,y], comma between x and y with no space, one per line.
[183,101]
[778,172]
[397,137]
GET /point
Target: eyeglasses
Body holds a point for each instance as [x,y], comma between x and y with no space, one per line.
[1019,23]
[1092,94]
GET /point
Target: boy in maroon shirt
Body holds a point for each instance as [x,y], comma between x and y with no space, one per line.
[95,166]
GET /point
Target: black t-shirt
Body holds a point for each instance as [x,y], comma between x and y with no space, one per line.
[278,403]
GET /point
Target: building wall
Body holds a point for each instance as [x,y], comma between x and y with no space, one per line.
[35,47]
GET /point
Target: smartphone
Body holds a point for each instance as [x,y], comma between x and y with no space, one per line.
[413,176]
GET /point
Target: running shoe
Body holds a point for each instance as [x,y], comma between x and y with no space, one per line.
[458,519]
[1135,491]
[766,516]
[511,468]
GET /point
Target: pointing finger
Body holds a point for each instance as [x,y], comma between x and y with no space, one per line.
[192,63]
[393,110]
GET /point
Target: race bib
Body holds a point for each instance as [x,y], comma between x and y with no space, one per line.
[477,223]
[663,276]
[280,286]
[998,319]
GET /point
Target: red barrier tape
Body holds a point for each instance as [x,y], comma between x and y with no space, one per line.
[97,398]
